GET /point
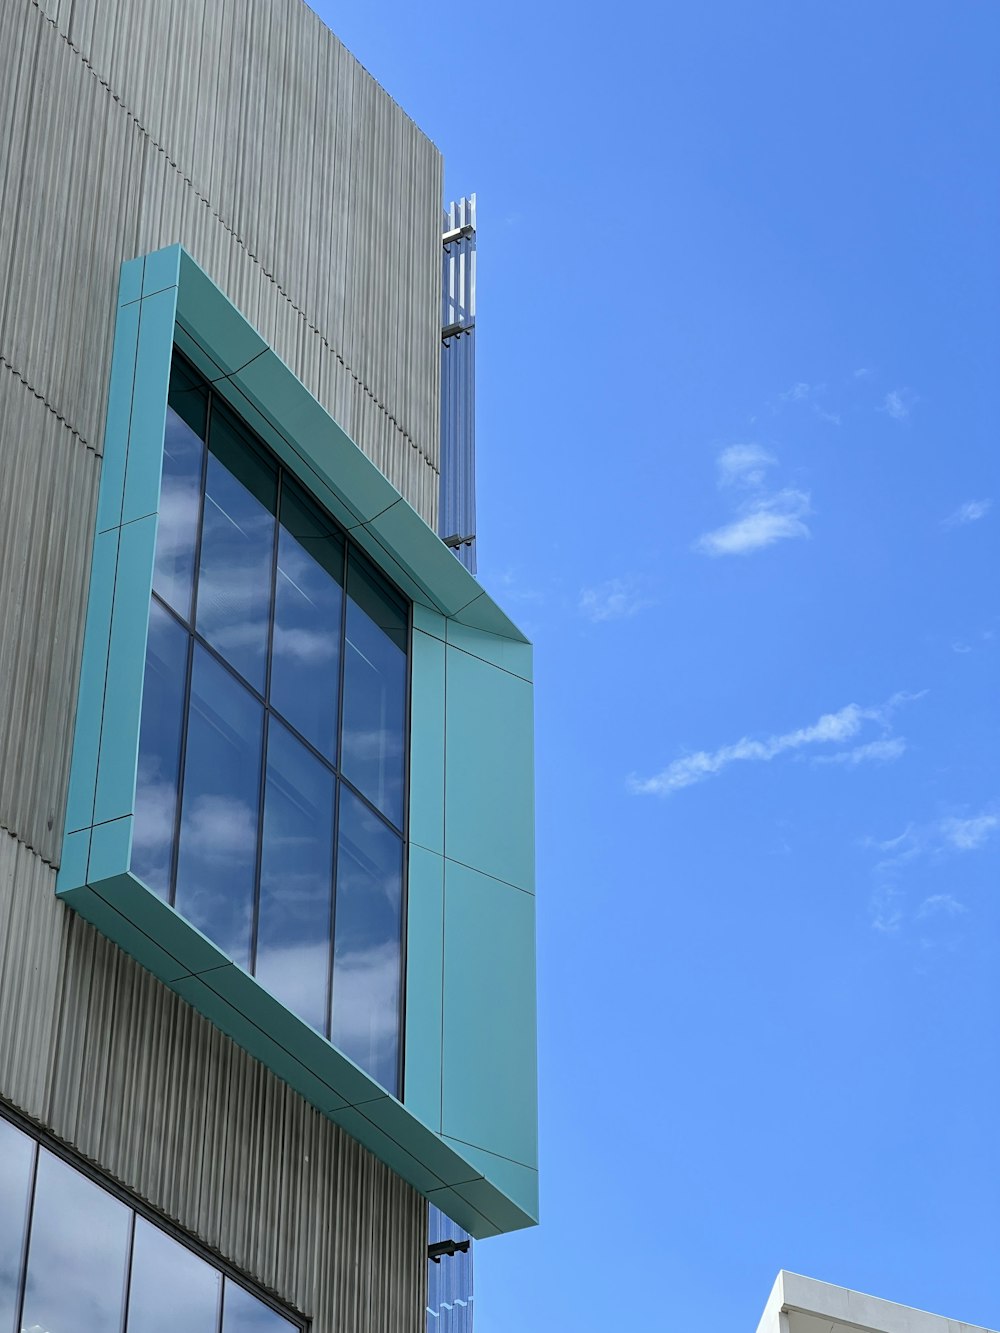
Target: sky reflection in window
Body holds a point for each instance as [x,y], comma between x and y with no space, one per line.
[299,647]
[93,1265]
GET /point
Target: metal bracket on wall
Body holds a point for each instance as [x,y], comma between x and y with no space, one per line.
[446,1249]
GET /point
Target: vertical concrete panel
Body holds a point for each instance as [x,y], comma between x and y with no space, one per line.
[48,487]
[32,965]
[305,161]
[76,149]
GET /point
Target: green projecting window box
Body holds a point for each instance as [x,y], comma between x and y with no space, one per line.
[429,666]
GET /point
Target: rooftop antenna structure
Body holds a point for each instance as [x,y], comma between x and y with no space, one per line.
[457,512]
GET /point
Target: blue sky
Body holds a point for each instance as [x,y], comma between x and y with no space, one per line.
[738,337]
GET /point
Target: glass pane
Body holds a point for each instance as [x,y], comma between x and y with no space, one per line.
[367,941]
[180,499]
[159,750]
[374,691]
[305,660]
[293,939]
[16,1154]
[243,1313]
[217,855]
[77,1255]
[170,1289]
[189,397]
[234,581]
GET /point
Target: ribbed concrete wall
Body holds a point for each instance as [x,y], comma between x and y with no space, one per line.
[242,129]
[48,489]
[248,133]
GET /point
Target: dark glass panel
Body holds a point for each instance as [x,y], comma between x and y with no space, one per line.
[16,1157]
[180,496]
[77,1254]
[308,596]
[159,750]
[170,1289]
[374,691]
[243,1313]
[367,928]
[237,544]
[293,935]
[217,854]
[189,397]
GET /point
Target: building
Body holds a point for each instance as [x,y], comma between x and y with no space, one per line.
[266,810]
[803,1305]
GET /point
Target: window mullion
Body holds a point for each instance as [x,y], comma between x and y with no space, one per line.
[25,1247]
[342,661]
[262,789]
[181,771]
[128,1272]
[196,580]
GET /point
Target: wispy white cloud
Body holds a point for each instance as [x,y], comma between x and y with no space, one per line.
[970,512]
[934,843]
[763,516]
[763,520]
[810,395]
[941,904]
[614,599]
[878,752]
[952,833]
[830,729]
[892,844]
[862,373]
[744,465]
[898,403]
[832,417]
[887,908]
[516,585]
[968,835]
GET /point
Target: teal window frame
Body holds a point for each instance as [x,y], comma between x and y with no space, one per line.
[464,1132]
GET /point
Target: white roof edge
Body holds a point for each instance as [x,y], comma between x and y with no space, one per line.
[793,1293]
[770,1321]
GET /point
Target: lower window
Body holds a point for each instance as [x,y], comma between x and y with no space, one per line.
[75,1256]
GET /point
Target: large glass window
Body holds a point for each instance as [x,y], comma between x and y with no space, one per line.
[75,1256]
[272,755]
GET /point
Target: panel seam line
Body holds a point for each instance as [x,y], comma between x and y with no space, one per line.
[35,393]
